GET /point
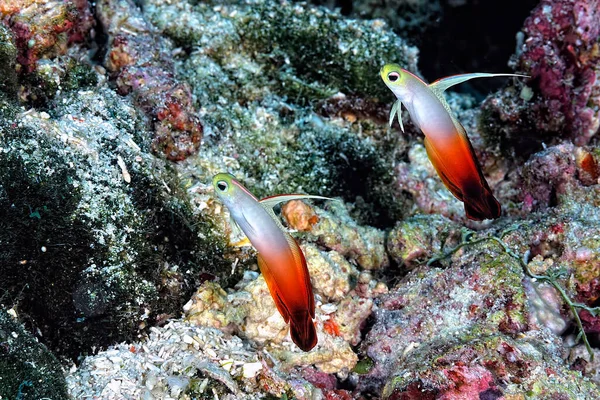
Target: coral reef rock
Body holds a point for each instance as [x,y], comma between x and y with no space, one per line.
[558,47]
[141,62]
[479,326]
[28,370]
[45,29]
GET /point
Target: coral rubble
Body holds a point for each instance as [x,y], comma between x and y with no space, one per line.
[116,255]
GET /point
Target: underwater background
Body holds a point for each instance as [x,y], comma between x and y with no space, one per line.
[117,275]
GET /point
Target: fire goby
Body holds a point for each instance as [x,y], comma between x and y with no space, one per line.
[446,141]
[279,257]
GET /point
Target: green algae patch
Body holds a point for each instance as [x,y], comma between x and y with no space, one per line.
[363,366]
[306,45]
[418,238]
[28,371]
[327,160]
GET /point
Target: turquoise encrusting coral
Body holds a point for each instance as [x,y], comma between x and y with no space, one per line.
[114,250]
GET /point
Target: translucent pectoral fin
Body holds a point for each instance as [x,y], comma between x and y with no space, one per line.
[237,238]
[442,84]
[397,109]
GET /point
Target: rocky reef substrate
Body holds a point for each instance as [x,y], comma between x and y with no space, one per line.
[117,278]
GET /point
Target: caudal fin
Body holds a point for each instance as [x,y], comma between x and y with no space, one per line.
[482,207]
[302,330]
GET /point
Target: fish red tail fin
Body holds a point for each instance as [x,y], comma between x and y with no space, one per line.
[482,207]
[302,330]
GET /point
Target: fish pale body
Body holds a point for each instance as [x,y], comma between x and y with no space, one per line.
[446,141]
[280,259]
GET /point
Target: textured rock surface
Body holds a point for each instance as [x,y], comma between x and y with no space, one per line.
[28,370]
[346,301]
[476,326]
[141,62]
[553,176]
[45,28]
[417,239]
[101,237]
[559,49]
[84,223]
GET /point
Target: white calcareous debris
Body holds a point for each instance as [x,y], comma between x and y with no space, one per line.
[250,370]
[166,367]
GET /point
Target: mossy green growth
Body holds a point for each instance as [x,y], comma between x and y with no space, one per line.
[285,148]
[256,67]
[54,76]
[419,237]
[363,366]
[307,46]
[306,154]
[301,52]
[28,371]
[8,58]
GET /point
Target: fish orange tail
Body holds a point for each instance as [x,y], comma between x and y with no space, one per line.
[484,206]
[302,330]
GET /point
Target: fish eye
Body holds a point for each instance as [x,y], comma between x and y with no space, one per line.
[222,186]
[393,76]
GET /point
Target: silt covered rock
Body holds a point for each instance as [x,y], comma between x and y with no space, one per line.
[28,370]
[96,232]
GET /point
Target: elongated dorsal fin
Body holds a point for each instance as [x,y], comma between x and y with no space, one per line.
[272,201]
[439,86]
[397,109]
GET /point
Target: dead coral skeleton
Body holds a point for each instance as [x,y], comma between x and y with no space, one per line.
[552,277]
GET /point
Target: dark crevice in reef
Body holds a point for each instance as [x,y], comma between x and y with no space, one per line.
[482,32]
[483,39]
[100,41]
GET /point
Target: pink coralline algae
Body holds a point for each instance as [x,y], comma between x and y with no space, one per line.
[561,53]
[45,28]
[558,173]
[141,64]
[465,298]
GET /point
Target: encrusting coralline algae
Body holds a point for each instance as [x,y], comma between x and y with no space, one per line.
[117,260]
